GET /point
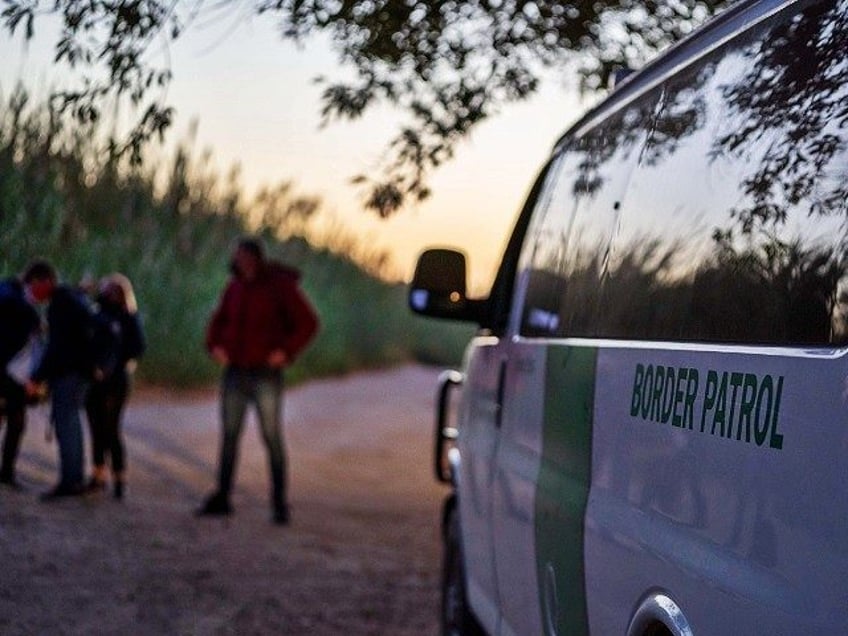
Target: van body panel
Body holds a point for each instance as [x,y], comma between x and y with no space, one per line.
[517,465]
[710,481]
[563,487]
[478,444]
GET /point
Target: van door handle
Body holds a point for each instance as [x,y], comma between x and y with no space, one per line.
[499,397]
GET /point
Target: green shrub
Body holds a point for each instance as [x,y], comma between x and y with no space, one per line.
[64,199]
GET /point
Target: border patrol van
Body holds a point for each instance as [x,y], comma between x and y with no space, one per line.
[650,432]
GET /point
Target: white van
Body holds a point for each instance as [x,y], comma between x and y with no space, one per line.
[652,430]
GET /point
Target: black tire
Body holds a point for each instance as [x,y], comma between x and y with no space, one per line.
[456,616]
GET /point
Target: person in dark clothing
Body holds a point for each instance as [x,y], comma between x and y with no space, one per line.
[66,369]
[19,324]
[117,309]
[262,323]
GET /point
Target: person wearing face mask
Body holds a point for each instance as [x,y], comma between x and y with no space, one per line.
[20,327]
[117,312]
[262,323]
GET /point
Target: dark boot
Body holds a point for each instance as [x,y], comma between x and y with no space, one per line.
[282,515]
[118,484]
[216,505]
[10,481]
[62,491]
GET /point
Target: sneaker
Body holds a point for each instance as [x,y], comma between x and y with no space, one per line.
[217,505]
[118,490]
[63,490]
[281,515]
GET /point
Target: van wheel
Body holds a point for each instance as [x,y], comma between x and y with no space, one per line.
[457,619]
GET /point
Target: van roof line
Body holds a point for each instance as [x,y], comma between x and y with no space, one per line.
[718,30]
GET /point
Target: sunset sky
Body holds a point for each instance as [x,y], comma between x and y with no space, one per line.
[255,103]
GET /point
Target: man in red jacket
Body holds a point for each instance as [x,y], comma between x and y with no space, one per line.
[262,323]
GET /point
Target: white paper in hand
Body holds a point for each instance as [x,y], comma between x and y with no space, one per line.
[22,366]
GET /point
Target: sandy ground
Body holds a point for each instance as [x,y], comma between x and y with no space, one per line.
[361,556]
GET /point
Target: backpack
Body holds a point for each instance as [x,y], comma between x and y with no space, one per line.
[105,341]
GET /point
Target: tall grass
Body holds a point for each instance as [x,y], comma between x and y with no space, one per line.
[65,197]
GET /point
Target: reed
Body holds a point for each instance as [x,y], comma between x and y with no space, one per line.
[66,197]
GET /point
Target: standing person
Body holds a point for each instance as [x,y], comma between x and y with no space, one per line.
[19,323]
[118,312]
[66,368]
[262,323]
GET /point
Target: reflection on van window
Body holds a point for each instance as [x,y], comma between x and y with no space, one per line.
[567,254]
[731,225]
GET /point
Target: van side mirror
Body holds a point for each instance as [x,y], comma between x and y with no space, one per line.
[438,287]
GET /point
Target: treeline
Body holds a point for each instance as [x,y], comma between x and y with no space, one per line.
[68,196]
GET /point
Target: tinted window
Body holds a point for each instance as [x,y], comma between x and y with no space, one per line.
[733,224]
[567,256]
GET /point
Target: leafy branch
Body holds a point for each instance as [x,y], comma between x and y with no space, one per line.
[447,64]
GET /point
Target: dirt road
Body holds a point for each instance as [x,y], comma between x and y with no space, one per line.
[361,556]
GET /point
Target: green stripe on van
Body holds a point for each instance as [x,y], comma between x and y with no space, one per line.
[563,488]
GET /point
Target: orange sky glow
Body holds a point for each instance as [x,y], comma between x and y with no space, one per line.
[254,101]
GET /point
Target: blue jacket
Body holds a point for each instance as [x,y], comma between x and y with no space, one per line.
[18,320]
[69,318]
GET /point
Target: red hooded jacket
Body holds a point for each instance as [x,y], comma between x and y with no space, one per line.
[257,317]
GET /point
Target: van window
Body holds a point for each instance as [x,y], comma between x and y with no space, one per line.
[566,256]
[733,226]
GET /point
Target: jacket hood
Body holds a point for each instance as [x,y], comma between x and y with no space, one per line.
[278,269]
